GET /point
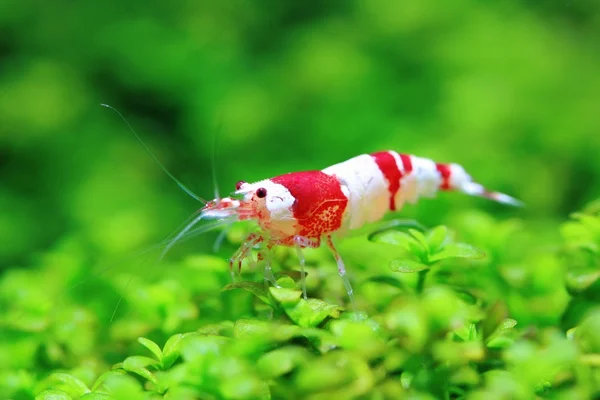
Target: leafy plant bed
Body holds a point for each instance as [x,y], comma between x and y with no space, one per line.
[493,310]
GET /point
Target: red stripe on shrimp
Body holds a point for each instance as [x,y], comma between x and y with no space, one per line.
[445,172]
[389,168]
[406,163]
[319,201]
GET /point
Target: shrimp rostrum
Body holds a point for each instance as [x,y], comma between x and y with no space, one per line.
[303,209]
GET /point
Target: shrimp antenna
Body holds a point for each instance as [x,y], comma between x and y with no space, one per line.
[214,158]
[177,181]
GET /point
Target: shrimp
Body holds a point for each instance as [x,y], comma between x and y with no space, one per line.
[302,209]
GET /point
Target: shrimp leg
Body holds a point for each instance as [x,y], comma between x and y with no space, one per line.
[302,242]
[342,270]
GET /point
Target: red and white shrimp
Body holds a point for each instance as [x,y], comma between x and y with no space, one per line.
[300,209]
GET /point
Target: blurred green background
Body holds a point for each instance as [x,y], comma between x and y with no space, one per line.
[510,90]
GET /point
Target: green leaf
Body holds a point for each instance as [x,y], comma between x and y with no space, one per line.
[420,237]
[387,280]
[457,250]
[508,323]
[586,334]
[253,330]
[311,312]
[592,360]
[79,387]
[463,376]
[196,348]
[580,279]
[591,222]
[346,373]
[500,338]
[282,361]
[96,396]
[286,282]
[466,296]
[407,266]
[395,238]
[457,353]
[135,361]
[105,376]
[500,342]
[53,394]
[138,364]
[495,316]
[436,237]
[244,386]
[250,327]
[153,347]
[171,349]
[472,333]
[125,387]
[578,308]
[286,296]
[223,328]
[415,246]
[256,289]
[386,226]
[361,336]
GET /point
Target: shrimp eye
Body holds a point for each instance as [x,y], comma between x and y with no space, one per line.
[261,192]
[239,185]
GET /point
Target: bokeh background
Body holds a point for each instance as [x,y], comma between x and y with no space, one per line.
[511,90]
[229,90]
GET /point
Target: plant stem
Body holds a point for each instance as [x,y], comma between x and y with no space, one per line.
[421,280]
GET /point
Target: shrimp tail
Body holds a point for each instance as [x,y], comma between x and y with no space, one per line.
[476,189]
[454,177]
